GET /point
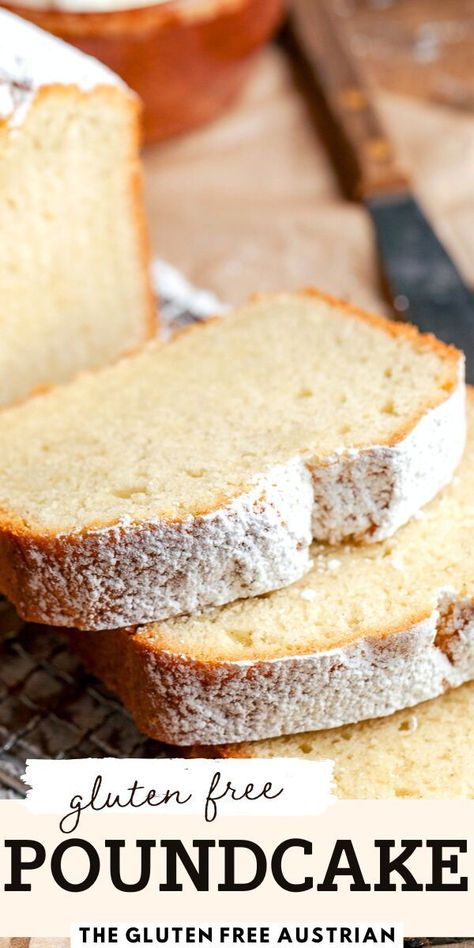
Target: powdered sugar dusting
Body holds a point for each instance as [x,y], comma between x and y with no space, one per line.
[180,301]
[183,700]
[308,594]
[31,59]
[260,541]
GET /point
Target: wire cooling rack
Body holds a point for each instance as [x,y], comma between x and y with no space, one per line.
[49,706]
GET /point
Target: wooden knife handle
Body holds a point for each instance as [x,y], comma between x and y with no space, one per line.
[347,97]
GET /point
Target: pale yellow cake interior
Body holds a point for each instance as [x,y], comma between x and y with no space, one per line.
[178,429]
[351,591]
[424,752]
[74,286]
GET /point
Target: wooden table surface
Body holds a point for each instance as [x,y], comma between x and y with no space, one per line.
[420,47]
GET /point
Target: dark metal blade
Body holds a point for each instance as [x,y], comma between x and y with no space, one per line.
[426,287]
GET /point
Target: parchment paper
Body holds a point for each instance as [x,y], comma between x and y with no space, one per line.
[251,202]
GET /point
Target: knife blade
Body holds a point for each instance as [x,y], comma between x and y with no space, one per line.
[424,284]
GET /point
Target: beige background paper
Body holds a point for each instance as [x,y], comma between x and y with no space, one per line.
[251,202]
[47,910]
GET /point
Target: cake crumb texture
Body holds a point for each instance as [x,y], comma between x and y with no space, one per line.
[74,262]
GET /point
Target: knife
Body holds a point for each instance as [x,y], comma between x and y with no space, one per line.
[424,285]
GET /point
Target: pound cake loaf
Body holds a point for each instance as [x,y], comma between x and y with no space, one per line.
[368,631]
[424,753]
[197,472]
[74,281]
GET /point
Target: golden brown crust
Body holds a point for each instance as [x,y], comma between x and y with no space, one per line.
[14,526]
[151,314]
[177,699]
[394,328]
[152,17]
[144,45]
[136,184]
[421,341]
[153,638]
[37,566]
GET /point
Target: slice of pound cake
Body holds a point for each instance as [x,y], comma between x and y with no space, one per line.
[424,753]
[368,631]
[74,282]
[198,472]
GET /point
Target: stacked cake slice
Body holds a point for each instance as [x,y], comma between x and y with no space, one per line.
[237,521]
[196,473]
[424,752]
[367,631]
